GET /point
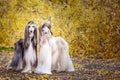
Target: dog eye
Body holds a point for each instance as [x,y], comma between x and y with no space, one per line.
[33,26]
[28,26]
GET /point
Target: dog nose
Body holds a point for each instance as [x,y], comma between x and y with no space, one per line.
[30,31]
[45,32]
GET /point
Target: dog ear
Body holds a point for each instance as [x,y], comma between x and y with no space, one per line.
[35,37]
[26,38]
[21,42]
[49,21]
[40,30]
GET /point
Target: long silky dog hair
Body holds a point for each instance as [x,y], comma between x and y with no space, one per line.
[26,37]
[54,52]
[30,54]
[17,60]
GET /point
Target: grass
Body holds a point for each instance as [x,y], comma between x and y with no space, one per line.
[6,49]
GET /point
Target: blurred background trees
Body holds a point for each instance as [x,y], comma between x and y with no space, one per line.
[91,27]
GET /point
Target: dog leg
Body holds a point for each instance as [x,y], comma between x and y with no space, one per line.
[20,65]
[27,69]
[9,65]
[43,69]
[33,69]
[70,66]
[38,70]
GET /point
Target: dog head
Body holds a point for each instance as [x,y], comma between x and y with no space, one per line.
[30,34]
[45,28]
[30,29]
[19,44]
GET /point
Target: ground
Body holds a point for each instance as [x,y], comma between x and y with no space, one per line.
[85,69]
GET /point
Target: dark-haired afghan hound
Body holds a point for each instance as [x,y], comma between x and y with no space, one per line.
[17,60]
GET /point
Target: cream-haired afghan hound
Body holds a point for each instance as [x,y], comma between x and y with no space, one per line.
[54,53]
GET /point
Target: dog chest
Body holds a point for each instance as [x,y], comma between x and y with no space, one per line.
[30,54]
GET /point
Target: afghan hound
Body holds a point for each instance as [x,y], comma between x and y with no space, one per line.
[30,47]
[17,60]
[54,53]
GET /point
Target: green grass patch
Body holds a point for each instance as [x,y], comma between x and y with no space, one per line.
[6,49]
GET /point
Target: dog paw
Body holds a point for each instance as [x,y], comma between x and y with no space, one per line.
[71,70]
[19,68]
[36,72]
[9,68]
[26,71]
[23,71]
[42,72]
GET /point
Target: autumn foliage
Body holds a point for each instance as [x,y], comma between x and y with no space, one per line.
[91,27]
